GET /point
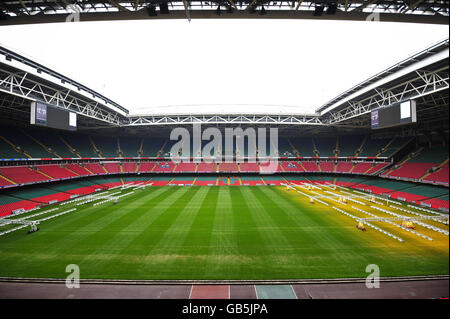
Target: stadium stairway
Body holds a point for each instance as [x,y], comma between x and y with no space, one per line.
[71,149]
[44,147]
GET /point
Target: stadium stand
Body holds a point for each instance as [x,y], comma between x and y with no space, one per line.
[78,169]
[228,167]
[292,166]
[164,167]
[186,167]
[372,147]
[249,167]
[310,166]
[348,145]
[129,167]
[207,167]
[23,174]
[303,146]
[344,167]
[325,146]
[56,171]
[361,167]
[146,166]
[112,167]
[129,146]
[79,143]
[327,166]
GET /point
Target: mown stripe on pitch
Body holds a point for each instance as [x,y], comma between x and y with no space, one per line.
[121,230]
[69,241]
[57,234]
[189,235]
[130,243]
[173,230]
[223,237]
[340,243]
[251,242]
[268,226]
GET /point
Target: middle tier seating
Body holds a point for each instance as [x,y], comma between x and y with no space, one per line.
[249,167]
[22,174]
[56,171]
[186,167]
[327,166]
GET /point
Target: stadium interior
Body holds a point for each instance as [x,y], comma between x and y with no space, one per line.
[342,146]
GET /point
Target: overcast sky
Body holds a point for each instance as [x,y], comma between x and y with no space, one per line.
[144,65]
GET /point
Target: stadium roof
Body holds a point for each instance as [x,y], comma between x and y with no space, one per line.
[424,77]
[46,11]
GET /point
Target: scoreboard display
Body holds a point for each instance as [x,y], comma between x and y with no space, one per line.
[394,115]
[51,116]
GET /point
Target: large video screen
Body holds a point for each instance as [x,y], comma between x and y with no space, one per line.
[393,115]
[47,115]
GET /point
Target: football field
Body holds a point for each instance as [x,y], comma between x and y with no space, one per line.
[225,232]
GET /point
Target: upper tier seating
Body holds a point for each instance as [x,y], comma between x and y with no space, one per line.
[326,146]
[8,151]
[26,143]
[411,170]
[129,146]
[80,143]
[53,142]
[435,154]
[284,148]
[95,168]
[372,147]
[106,145]
[303,146]
[393,147]
[349,144]
[151,146]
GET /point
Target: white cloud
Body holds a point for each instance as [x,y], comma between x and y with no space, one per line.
[146,64]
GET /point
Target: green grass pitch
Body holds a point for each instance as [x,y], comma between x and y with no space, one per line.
[227,232]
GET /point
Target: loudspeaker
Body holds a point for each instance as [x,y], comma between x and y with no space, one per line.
[164,8]
[152,11]
[332,8]
[318,11]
